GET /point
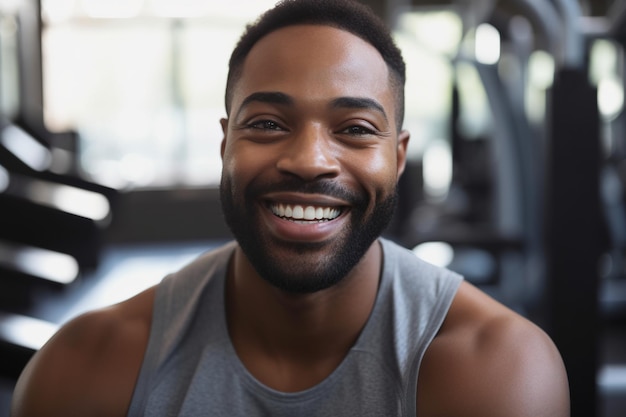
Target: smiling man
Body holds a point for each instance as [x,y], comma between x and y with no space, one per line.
[312,155]
[308,312]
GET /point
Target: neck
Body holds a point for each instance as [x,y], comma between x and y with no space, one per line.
[296,331]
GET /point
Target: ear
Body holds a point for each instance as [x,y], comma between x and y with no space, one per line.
[403,142]
[224,123]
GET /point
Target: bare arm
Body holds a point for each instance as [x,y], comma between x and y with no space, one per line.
[489,362]
[89,367]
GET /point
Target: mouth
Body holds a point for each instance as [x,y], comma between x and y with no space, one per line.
[305,214]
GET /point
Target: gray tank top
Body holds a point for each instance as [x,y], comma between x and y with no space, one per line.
[191,369]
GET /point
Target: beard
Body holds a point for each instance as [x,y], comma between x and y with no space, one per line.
[305,267]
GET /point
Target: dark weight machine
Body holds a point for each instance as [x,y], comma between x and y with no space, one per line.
[544,201]
[52,219]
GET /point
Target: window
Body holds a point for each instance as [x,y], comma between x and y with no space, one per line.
[142,82]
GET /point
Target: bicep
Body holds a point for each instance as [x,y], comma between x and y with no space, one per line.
[50,384]
[540,386]
[510,369]
[87,368]
[523,376]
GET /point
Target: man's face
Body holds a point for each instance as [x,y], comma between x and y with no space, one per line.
[311,155]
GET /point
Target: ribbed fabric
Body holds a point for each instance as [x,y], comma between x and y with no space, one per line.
[191,369]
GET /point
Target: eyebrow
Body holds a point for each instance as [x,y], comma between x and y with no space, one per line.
[358,103]
[270,97]
[274,97]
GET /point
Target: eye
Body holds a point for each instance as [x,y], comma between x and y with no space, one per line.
[358,130]
[264,125]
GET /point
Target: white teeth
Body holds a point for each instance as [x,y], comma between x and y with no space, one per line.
[309,213]
[298,212]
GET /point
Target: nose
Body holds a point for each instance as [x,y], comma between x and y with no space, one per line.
[309,154]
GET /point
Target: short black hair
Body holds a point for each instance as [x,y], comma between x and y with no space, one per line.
[348,15]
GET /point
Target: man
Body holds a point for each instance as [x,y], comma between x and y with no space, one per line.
[308,312]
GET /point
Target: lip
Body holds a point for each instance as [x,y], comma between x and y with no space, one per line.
[303,231]
[304,199]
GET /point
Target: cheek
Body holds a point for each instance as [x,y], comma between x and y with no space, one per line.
[249,167]
[243,163]
[377,173]
[233,177]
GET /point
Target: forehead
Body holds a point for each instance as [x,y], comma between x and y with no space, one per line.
[314,62]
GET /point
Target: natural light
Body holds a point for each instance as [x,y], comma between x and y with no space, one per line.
[142,82]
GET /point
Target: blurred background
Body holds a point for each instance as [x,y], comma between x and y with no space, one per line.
[109,160]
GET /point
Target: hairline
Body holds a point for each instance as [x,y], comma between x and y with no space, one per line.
[394,78]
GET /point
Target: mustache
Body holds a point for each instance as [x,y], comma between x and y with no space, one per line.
[295,184]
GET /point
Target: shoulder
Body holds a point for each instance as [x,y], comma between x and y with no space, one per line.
[490,361]
[90,365]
